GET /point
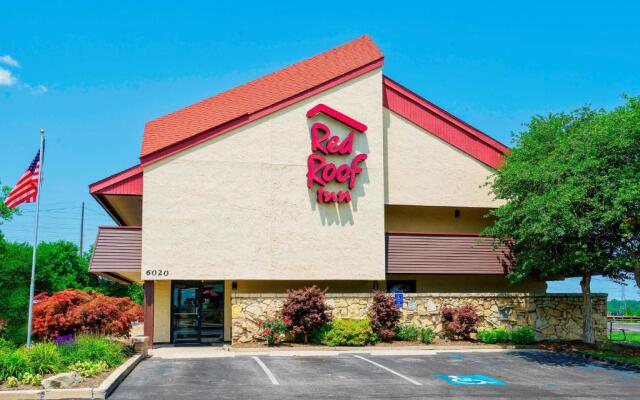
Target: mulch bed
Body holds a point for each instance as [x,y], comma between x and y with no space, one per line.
[394,344]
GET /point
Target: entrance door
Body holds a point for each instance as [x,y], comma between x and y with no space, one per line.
[198,312]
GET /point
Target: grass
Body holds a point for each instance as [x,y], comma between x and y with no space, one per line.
[631,337]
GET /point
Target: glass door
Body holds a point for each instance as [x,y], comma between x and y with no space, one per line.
[198,312]
[212,312]
[186,315]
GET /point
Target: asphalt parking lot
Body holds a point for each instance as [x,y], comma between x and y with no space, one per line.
[492,375]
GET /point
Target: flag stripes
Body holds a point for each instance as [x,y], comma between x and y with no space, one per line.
[26,190]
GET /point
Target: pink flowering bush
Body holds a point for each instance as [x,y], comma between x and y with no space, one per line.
[459,322]
[273,329]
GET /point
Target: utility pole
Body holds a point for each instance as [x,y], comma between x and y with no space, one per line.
[81,227]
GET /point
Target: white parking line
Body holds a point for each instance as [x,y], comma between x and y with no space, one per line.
[406,378]
[266,371]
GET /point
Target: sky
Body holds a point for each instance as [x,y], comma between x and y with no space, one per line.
[92,73]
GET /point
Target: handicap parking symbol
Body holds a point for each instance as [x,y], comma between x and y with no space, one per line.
[474,379]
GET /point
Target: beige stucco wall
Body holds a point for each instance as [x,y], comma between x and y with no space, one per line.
[435,219]
[422,169]
[162,312]
[237,206]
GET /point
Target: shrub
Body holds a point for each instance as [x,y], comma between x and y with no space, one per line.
[427,335]
[6,345]
[272,329]
[13,364]
[12,382]
[307,310]
[44,357]
[93,348]
[346,332]
[384,315]
[89,368]
[73,311]
[459,322]
[523,335]
[494,335]
[407,332]
[31,379]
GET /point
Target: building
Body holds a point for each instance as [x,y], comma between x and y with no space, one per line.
[325,172]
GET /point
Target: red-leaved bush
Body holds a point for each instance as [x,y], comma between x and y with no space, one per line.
[384,315]
[306,309]
[459,322]
[73,311]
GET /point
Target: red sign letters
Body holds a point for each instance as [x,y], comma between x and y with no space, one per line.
[323,143]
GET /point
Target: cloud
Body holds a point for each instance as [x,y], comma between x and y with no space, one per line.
[10,61]
[38,89]
[7,78]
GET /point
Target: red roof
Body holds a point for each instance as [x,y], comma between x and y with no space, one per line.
[127,182]
[443,125]
[241,102]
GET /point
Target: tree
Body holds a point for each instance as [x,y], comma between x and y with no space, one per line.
[73,311]
[59,267]
[6,213]
[572,191]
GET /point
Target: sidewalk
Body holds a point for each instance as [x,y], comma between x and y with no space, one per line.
[172,352]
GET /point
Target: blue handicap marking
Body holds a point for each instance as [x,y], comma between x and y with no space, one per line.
[474,379]
[456,355]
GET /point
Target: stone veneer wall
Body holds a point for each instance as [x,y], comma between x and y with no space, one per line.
[552,316]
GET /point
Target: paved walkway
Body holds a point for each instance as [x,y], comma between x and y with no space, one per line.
[493,374]
[175,353]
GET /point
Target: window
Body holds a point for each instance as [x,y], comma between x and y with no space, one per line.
[401,286]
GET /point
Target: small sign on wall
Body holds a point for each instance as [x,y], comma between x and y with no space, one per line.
[399,299]
[411,305]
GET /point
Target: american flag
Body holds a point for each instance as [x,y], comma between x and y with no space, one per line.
[26,190]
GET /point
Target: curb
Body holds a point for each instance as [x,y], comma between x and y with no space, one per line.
[587,356]
[101,392]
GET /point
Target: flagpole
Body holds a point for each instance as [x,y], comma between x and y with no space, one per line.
[35,242]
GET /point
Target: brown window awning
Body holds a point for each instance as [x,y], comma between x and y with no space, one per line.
[117,249]
[435,253]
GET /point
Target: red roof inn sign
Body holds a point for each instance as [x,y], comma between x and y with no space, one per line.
[322,172]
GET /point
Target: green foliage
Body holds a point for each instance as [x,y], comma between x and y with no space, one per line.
[44,357]
[493,335]
[345,332]
[28,378]
[407,332]
[87,355]
[427,335]
[89,368]
[572,191]
[13,363]
[523,335]
[90,347]
[6,345]
[6,213]
[12,382]
[628,307]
